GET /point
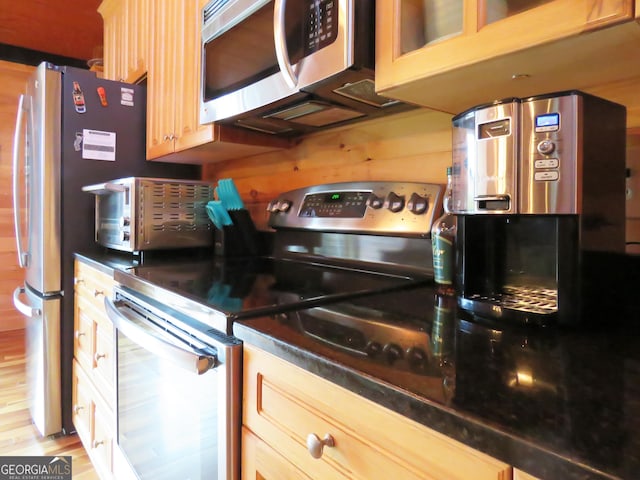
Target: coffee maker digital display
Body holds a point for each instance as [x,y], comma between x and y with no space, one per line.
[548,122]
[538,189]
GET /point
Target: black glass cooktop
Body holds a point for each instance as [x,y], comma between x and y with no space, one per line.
[245,287]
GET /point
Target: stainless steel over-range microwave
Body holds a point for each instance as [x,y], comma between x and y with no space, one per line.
[289,66]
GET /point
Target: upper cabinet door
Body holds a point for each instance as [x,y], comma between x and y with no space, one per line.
[166,40]
[126,39]
[453,54]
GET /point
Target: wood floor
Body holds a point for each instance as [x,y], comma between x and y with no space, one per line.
[18,436]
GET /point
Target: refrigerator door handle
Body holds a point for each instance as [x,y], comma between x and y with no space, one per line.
[23,256]
[23,308]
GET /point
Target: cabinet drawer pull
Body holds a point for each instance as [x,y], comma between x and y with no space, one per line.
[79,334]
[77,408]
[316,446]
[78,281]
[97,443]
[98,356]
[97,293]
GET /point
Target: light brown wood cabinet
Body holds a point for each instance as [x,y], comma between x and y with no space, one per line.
[172,81]
[174,132]
[520,475]
[159,42]
[452,55]
[94,368]
[126,39]
[289,413]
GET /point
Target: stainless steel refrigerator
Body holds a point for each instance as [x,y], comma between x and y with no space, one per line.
[72,129]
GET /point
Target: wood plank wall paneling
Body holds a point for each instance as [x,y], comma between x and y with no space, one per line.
[12,78]
[410,146]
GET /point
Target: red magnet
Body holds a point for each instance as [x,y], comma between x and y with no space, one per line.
[103,96]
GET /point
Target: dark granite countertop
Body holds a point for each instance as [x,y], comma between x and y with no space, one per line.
[556,403]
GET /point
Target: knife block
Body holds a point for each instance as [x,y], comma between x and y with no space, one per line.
[238,239]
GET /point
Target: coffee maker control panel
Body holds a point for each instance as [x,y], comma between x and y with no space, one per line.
[546,147]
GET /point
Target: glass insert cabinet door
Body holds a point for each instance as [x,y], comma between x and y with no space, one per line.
[449,55]
[423,22]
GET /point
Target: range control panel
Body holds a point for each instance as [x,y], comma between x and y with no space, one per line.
[382,208]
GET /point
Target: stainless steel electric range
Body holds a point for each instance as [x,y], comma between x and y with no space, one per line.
[330,243]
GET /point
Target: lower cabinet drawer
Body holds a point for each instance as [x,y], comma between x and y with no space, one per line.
[94,422]
[102,438]
[294,411]
[261,462]
[81,404]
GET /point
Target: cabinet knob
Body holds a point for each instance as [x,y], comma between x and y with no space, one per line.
[79,334]
[97,293]
[77,408]
[78,281]
[316,446]
[97,443]
[98,356]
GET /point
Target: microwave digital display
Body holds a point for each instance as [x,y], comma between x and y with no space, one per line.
[548,122]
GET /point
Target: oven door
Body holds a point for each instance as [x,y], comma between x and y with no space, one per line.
[177,397]
[256,53]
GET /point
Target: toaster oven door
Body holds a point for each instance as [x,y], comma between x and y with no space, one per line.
[113,215]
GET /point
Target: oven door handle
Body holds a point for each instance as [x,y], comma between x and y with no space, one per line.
[149,338]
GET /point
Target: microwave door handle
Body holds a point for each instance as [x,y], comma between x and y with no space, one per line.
[23,256]
[280,40]
[185,358]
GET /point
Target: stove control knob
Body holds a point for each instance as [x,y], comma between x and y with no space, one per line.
[394,202]
[417,204]
[273,206]
[374,201]
[124,236]
[373,349]
[284,205]
[416,357]
[393,352]
[546,147]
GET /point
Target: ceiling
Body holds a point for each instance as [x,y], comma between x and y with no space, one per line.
[69,28]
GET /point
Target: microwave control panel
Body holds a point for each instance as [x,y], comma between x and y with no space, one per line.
[322,25]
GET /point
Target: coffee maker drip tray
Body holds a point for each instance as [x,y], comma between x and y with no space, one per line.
[531,299]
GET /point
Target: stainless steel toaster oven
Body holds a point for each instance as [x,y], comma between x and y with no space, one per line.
[135,214]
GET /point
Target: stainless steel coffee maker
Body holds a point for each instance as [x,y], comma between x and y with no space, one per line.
[538,188]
